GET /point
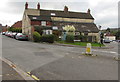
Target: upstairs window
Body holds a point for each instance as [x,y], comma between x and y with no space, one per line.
[34,17]
[53,14]
[43,23]
[55,28]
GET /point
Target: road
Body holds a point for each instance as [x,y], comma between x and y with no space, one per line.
[53,62]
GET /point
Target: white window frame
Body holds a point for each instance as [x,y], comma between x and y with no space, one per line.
[34,17]
[55,28]
[48,32]
[53,14]
[43,23]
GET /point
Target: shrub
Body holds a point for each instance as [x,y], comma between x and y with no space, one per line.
[36,37]
[48,38]
[70,38]
[56,38]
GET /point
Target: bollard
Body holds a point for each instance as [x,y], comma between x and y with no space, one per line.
[88,49]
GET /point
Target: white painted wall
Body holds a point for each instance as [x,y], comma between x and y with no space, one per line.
[110,37]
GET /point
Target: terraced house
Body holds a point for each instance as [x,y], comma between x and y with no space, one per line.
[53,21]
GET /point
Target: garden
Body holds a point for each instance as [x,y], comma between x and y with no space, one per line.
[66,39]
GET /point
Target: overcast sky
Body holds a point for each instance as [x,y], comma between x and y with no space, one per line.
[105,12]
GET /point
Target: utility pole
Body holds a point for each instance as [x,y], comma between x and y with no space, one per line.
[100,34]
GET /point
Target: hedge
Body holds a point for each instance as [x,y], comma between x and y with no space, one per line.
[48,38]
[70,38]
[36,37]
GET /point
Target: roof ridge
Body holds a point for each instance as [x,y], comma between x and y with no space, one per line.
[63,11]
[57,10]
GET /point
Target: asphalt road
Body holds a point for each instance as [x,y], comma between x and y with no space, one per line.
[53,62]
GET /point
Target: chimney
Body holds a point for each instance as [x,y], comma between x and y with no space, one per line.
[88,11]
[38,6]
[26,5]
[65,9]
[6,25]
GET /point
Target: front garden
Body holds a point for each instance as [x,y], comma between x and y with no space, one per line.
[67,37]
[82,43]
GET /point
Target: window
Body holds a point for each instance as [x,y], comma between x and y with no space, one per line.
[77,33]
[55,28]
[34,17]
[43,23]
[48,31]
[53,14]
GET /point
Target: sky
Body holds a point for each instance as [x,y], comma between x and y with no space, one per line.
[105,12]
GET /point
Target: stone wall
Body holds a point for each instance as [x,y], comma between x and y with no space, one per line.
[72,20]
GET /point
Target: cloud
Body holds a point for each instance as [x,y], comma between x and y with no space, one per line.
[105,12]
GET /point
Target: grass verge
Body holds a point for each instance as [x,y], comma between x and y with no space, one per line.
[82,43]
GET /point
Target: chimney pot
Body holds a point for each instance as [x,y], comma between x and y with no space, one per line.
[38,6]
[88,11]
[26,5]
[65,9]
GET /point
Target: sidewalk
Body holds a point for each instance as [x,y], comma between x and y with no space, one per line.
[8,73]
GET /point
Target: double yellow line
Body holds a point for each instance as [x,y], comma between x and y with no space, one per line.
[33,76]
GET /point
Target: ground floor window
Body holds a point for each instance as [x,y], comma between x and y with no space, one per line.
[47,32]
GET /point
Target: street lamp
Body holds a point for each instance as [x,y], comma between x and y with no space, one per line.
[100,34]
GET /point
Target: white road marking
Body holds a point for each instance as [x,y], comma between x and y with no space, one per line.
[106,51]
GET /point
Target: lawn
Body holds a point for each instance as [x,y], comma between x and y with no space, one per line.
[82,43]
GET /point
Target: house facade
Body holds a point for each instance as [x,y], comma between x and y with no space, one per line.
[3,28]
[109,36]
[53,22]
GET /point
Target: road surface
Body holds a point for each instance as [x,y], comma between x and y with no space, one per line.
[53,62]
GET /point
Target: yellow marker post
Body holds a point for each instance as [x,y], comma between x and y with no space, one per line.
[88,48]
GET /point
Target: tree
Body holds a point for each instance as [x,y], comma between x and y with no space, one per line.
[70,29]
[108,30]
[39,30]
[118,34]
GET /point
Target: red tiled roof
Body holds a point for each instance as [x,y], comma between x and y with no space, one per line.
[17,24]
[109,34]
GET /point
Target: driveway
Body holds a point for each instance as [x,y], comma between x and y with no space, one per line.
[53,62]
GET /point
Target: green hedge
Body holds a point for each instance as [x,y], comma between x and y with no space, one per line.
[36,37]
[48,38]
[70,38]
[56,38]
[19,30]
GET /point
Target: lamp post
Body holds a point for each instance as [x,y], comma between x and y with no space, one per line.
[100,34]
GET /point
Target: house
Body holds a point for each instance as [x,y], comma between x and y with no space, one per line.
[53,22]
[0,27]
[3,28]
[109,36]
[17,24]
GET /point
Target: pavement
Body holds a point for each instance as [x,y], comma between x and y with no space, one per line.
[8,73]
[54,62]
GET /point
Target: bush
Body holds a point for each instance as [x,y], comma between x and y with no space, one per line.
[56,38]
[36,37]
[70,38]
[48,38]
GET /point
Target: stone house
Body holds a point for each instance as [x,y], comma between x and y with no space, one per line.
[53,21]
